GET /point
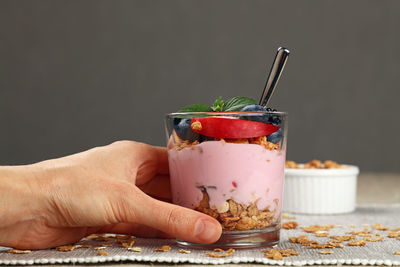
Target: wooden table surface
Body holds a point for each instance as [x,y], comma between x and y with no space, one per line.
[372,188]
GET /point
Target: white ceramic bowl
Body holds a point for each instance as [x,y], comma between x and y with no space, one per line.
[320,191]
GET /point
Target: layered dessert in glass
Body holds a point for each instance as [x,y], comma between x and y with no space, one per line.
[230,165]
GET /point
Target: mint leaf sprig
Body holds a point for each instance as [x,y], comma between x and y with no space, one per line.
[232,105]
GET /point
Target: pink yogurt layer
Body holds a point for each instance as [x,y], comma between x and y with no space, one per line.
[241,172]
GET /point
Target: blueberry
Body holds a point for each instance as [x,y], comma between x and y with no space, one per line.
[268,118]
[275,137]
[253,108]
[183,130]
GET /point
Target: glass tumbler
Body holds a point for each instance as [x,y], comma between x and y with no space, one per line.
[230,165]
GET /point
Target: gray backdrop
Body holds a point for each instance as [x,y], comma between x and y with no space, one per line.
[78,74]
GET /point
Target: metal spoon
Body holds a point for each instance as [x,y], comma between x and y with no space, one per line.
[274,75]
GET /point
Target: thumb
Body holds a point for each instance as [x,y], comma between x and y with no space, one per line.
[177,221]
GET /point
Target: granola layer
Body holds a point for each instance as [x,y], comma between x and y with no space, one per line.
[237,216]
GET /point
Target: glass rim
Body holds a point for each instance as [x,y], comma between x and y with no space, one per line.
[281,113]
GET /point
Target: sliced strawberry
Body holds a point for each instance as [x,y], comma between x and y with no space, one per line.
[229,127]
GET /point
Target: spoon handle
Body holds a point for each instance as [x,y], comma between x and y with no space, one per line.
[274,75]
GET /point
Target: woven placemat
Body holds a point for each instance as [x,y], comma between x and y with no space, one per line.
[373,253]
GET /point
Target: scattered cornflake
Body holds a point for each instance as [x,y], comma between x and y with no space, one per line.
[326,252]
[279,254]
[338,225]
[321,233]
[106,245]
[65,248]
[343,238]
[17,251]
[379,226]
[369,239]
[319,246]
[396,229]
[352,225]
[359,243]
[288,216]
[128,244]
[393,234]
[397,253]
[135,249]
[81,242]
[314,228]
[102,253]
[274,254]
[292,247]
[164,248]
[184,251]
[99,248]
[227,253]
[290,225]
[87,246]
[218,250]
[364,232]
[303,240]
[335,245]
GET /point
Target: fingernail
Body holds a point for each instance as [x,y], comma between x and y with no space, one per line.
[206,231]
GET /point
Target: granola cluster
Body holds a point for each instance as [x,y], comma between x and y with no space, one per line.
[314,164]
[237,216]
[262,141]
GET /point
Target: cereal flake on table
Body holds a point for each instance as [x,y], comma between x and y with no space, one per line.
[377,239]
[397,253]
[65,248]
[314,228]
[184,251]
[135,249]
[364,232]
[220,253]
[380,227]
[326,252]
[394,234]
[290,225]
[335,244]
[18,251]
[102,253]
[342,238]
[164,248]
[321,233]
[302,240]
[321,246]
[359,243]
[279,254]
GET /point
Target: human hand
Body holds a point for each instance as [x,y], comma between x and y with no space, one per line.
[110,189]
